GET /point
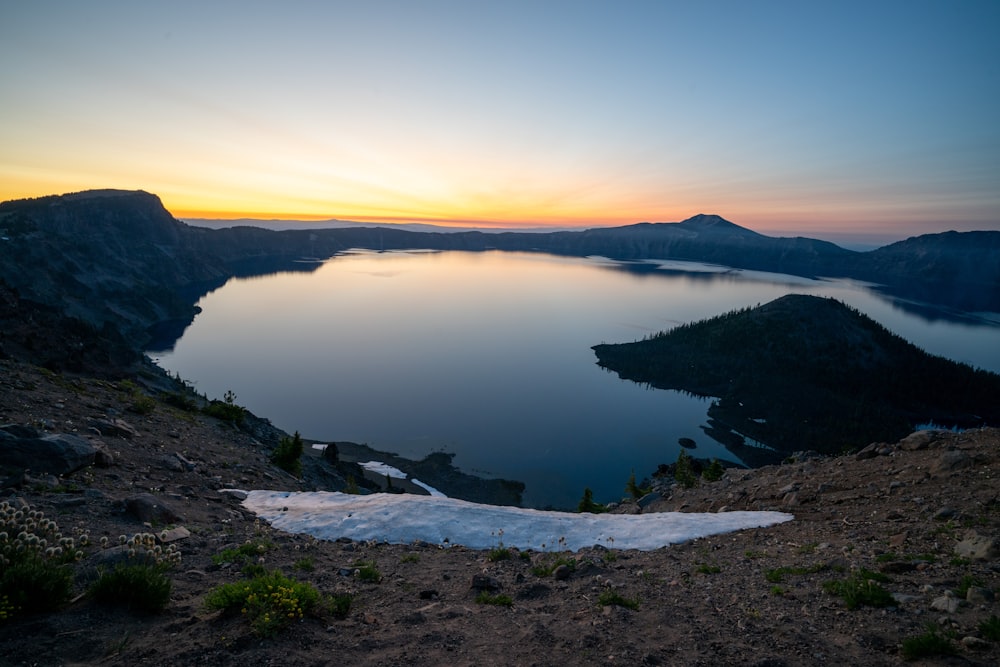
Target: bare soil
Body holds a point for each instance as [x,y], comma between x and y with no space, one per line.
[716,601]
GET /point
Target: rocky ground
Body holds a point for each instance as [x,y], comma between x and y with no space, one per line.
[924,512]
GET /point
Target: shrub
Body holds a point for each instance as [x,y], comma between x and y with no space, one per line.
[498,553]
[270,602]
[990,628]
[226,409]
[33,583]
[965,583]
[861,588]
[139,586]
[928,644]
[243,554]
[288,454]
[500,600]
[588,505]
[142,404]
[546,569]
[610,597]
[304,564]
[180,400]
[634,489]
[713,472]
[683,470]
[368,571]
[34,575]
[704,568]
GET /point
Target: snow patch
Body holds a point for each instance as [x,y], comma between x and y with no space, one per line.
[406,518]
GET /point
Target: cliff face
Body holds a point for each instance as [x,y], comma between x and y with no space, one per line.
[104,257]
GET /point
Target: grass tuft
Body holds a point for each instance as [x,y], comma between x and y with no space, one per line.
[140,587]
[499,600]
[929,644]
[860,589]
[610,597]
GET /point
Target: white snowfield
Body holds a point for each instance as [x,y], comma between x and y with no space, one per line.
[407,518]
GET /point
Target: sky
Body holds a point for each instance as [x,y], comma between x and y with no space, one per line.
[406,518]
[876,117]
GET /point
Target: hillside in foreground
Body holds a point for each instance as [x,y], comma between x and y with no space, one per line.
[922,516]
[804,372]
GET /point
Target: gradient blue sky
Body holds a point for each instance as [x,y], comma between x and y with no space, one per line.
[848,118]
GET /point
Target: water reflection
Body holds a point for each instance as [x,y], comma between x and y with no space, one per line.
[487,355]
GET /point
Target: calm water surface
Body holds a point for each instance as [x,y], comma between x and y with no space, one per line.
[487,355]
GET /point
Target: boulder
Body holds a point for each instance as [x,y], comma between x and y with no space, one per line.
[150,509]
[919,440]
[978,547]
[114,428]
[55,454]
[953,459]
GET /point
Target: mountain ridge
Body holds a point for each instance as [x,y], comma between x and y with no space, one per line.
[119,257]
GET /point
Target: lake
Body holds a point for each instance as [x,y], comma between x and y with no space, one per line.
[487,355]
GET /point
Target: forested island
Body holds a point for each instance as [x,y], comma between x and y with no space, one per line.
[805,372]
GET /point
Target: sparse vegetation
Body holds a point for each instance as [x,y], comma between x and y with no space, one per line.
[861,588]
[714,471]
[368,571]
[180,400]
[633,489]
[245,553]
[990,628]
[929,644]
[777,575]
[587,503]
[288,454]
[546,568]
[304,564]
[965,583]
[141,586]
[271,602]
[227,410]
[705,568]
[683,470]
[34,557]
[498,553]
[497,599]
[609,597]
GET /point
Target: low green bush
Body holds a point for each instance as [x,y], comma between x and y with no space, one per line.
[272,601]
[588,505]
[498,553]
[499,599]
[931,643]
[861,588]
[368,571]
[288,454]
[141,587]
[610,597]
[990,628]
[714,471]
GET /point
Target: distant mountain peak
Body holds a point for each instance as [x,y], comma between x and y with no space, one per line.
[706,219]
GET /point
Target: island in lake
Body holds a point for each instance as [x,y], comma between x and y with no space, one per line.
[806,373]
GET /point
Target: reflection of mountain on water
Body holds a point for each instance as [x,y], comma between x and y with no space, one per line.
[804,373]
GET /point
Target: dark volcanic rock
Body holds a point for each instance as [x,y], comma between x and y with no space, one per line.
[57,454]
